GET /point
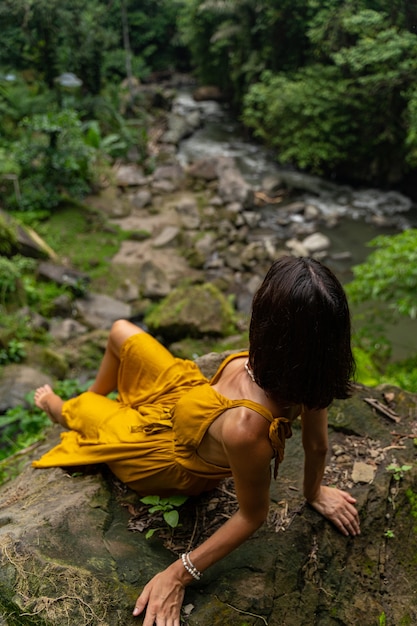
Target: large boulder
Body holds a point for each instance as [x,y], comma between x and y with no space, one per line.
[192,311]
[16,382]
[68,554]
[232,187]
[19,238]
[96,310]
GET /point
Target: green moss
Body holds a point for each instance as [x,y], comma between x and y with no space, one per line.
[369,568]
[8,237]
[54,363]
[75,231]
[190,348]
[138,235]
[193,311]
[14,616]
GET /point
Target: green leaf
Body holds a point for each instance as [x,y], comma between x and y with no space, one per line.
[150,500]
[171,518]
[156,508]
[406,468]
[177,500]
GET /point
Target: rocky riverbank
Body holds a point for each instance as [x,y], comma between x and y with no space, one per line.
[198,224]
[67,551]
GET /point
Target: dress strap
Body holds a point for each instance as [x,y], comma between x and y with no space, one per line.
[234,355]
[279,429]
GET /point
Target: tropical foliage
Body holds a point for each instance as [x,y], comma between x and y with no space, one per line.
[384,288]
[326,115]
[330,86]
[389,274]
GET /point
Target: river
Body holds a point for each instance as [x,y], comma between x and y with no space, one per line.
[362,214]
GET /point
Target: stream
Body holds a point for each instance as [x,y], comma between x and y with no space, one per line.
[360,214]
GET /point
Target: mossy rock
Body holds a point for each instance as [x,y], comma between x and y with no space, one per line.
[54,363]
[8,235]
[193,311]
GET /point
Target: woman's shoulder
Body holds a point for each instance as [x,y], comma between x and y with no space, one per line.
[244,428]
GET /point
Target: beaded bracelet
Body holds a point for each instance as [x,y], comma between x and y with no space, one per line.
[186,561]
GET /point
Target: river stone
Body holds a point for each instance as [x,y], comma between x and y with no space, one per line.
[205,244]
[232,187]
[297,248]
[179,128]
[111,202]
[129,175]
[251,218]
[66,329]
[233,256]
[62,275]
[100,311]
[172,172]
[311,212]
[62,305]
[252,254]
[363,472]
[168,236]
[207,92]
[295,208]
[316,243]
[128,290]
[271,184]
[205,169]
[164,185]
[16,382]
[189,215]
[168,177]
[141,198]
[153,281]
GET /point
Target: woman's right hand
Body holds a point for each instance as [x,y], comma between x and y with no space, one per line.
[162,597]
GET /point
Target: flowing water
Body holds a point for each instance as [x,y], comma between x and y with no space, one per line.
[361,214]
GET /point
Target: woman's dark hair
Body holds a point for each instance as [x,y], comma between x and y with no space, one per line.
[299,334]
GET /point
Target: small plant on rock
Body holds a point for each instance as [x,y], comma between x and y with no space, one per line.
[398,470]
[167,507]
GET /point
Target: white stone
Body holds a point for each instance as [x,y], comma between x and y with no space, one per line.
[296,247]
[316,242]
[363,472]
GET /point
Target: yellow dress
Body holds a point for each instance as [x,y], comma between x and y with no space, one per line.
[149,436]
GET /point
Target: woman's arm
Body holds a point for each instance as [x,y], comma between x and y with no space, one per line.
[249,455]
[315,444]
[335,504]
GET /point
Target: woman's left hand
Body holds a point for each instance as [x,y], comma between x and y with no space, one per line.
[339,507]
[162,597]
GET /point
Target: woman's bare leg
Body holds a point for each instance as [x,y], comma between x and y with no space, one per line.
[106,379]
[51,403]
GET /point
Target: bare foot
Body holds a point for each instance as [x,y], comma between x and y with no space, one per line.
[47,400]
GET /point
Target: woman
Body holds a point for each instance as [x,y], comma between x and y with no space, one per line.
[173,431]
